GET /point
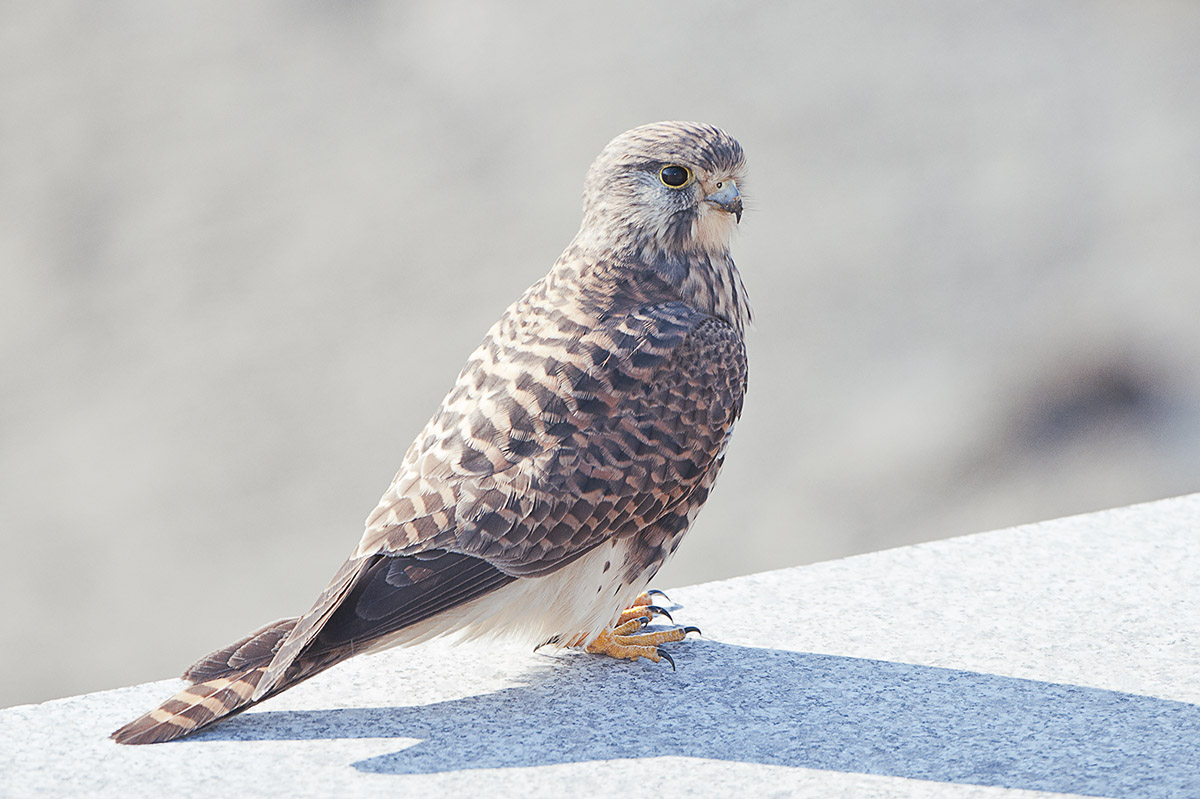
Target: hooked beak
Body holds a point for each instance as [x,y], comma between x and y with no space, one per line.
[727,198]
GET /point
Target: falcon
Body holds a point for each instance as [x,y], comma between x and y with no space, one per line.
[567,462]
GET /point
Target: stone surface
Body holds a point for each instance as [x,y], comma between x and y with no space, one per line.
[1054,658]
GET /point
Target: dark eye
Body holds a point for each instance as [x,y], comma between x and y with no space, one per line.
[675,176]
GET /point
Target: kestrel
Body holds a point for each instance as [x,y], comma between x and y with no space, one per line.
[563,468]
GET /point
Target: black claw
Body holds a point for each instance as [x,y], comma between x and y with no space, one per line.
[654,591]
[690,629]
[643,621]
[660,611]
[662,653]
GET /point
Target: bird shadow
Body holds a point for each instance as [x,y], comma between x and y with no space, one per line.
[786,708]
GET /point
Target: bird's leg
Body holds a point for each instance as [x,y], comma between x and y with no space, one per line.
[627,641]
[643,607]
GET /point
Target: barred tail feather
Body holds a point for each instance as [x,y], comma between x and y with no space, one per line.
[223,684]
[193,708]
[256,649]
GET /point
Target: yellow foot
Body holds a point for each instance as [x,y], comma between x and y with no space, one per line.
[625,641]
[643,608]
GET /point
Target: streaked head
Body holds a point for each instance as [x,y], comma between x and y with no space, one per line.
[669,187]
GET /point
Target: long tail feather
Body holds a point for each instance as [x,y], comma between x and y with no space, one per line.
[256,649]
[193,708]
[223,686]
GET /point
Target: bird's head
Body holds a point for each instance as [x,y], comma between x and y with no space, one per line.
[667,188]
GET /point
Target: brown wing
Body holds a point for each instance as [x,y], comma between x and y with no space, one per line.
[544,449]
[367,600]
[596,437]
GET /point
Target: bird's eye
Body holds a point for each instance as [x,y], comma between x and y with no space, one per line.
[675,176]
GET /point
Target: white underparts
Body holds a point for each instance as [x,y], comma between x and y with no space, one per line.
[583,597]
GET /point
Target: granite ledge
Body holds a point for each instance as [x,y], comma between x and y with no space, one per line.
[1059,658]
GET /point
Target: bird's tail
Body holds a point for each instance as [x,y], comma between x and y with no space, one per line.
[222,685]
[193,708]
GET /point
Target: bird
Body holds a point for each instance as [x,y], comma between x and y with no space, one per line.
[564,466]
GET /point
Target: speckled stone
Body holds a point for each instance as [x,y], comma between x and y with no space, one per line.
[1049,659]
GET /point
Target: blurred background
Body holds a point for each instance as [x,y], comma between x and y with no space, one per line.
[245,248]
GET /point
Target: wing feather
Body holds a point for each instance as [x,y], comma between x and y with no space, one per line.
[531,463]
[642,407]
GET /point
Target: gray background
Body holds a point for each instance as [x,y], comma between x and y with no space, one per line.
[245,248]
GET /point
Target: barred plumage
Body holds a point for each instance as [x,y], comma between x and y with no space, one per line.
[568,460]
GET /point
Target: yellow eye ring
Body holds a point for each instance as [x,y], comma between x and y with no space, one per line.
[674,176]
